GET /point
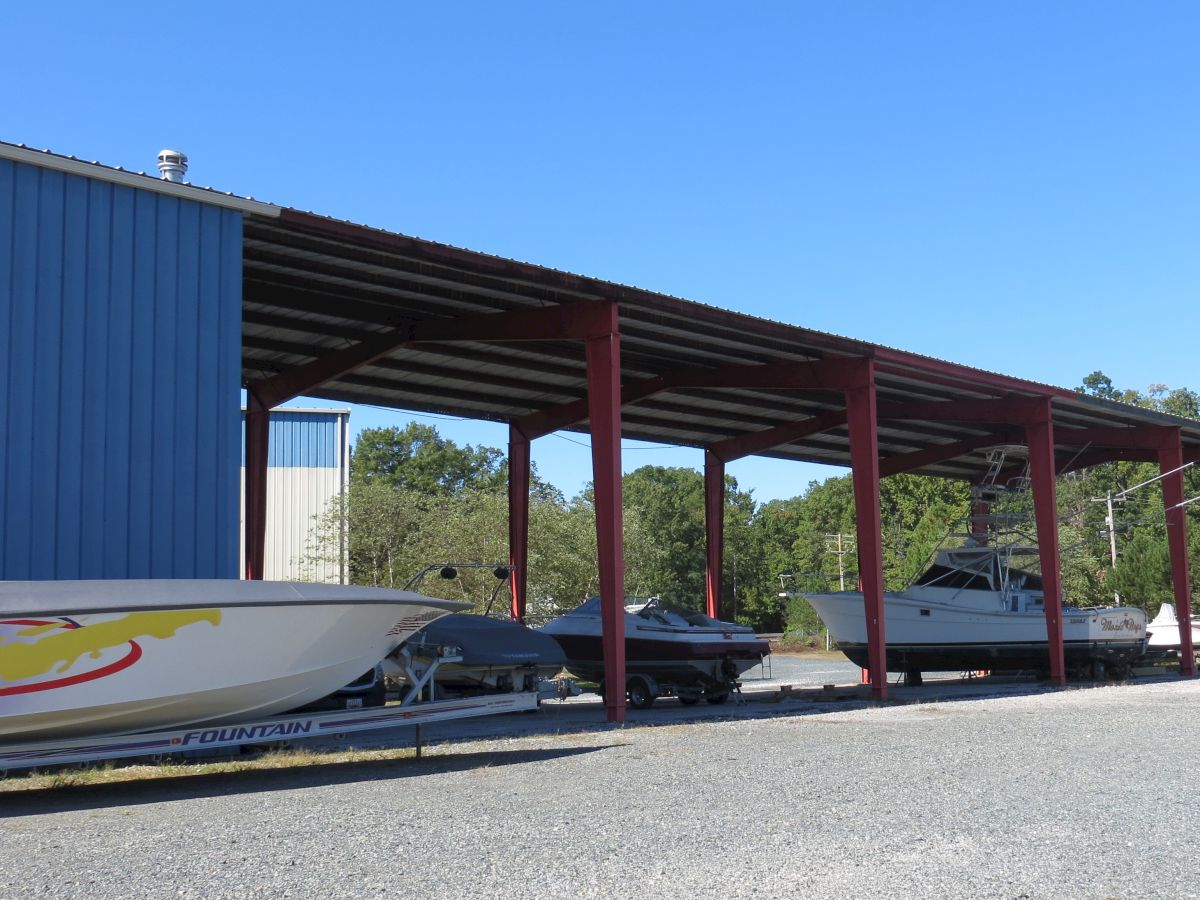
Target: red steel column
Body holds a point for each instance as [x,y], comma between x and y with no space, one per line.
[1168,459]
[864,461]
[979,525]
[714,525]
[518,517]
[1039,435]
[604,413]
[258,436]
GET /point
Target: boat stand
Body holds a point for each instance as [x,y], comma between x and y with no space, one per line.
[287,727]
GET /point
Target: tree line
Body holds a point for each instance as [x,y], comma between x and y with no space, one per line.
[416,497]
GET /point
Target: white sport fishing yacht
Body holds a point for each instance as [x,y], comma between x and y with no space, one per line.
[975,609]
[89,658]
[980,606]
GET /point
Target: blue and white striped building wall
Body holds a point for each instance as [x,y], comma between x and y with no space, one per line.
[308,466]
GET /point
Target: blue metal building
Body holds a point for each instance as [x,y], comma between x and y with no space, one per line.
[307,467]
[120,349]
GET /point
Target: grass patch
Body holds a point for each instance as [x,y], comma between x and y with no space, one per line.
[109,773]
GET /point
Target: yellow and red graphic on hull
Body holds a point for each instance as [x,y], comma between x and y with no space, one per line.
[33,648]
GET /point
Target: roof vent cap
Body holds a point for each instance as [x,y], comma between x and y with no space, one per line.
[172,165]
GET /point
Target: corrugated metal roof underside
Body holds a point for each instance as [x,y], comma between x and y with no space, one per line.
[314,286]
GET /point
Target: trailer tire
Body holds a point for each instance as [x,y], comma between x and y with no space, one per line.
[640,694]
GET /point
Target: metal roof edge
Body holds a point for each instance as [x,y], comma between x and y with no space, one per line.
[47,160]
[310,410]
[1166,419]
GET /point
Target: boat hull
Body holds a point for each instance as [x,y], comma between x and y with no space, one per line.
[923,635]
[1165,633]
[99,673]
[708,658]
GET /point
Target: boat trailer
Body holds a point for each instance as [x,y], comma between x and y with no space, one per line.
[287,727]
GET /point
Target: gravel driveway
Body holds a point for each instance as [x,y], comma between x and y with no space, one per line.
[1077,793]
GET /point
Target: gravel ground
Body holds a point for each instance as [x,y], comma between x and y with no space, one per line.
[1037,793]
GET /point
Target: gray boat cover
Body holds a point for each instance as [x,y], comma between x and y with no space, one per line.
[490,642]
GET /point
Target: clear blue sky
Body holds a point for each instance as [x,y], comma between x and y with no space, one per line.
[1014,186]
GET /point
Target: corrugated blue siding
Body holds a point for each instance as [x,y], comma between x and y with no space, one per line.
[120,328]
[303,440]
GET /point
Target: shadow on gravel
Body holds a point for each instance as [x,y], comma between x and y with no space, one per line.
[74,798]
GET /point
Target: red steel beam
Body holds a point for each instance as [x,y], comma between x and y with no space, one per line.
[823,374]
[1007,410]
[1039,436]
[569,321]
[864,460]
[907,462]
[1090,458]
[258,436]
[518,518]
[1139,437]
[735,448]
[604,411]
[1117,454]
[714,529]
[1170,459]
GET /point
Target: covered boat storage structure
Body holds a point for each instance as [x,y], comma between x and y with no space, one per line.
[198,292]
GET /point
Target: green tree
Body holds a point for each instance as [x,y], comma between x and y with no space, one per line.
[417,458]
[1143,572]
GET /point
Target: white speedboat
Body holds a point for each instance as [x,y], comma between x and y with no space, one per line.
[974,609]
[1164,630]
[673,646]
[84,658]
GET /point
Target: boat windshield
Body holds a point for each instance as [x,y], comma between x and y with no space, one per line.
[651,608]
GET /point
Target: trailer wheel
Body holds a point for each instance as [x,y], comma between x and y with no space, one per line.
[716,698]
[640,695]
[688,698]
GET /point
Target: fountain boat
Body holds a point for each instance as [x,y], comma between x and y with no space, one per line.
[88,658]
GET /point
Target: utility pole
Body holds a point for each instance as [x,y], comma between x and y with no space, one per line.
[1110,520]
[1111,523]
[839,545]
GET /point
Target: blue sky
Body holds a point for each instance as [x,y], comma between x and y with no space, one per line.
[1014,186]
